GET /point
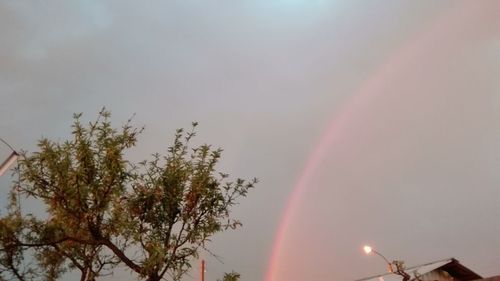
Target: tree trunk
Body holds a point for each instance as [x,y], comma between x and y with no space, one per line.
[153,277]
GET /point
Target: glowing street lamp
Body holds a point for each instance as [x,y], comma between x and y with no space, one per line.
[10,160]
[368,250]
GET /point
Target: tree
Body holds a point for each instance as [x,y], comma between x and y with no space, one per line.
[103,210]
[233,276]
[401,270]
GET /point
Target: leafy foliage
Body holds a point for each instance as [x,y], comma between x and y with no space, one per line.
[401,270]
[102,210]
[232,276]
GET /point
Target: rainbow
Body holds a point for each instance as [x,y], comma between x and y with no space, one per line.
[448,28]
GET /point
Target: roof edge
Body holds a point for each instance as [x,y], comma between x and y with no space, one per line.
[409,268]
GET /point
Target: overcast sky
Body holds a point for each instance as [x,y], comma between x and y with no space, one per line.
[366,121]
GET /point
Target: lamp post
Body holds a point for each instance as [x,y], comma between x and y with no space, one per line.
[400,268]
[10,160]
[368,250]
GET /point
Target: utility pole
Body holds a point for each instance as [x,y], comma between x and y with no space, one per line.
[202,275]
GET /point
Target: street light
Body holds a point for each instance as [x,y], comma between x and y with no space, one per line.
[368,250]
[10,160]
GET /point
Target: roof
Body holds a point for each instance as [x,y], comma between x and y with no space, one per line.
[451,265]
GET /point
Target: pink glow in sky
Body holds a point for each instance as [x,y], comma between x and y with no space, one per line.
[366,122]
[299,253]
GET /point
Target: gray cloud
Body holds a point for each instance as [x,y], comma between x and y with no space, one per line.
[265,78]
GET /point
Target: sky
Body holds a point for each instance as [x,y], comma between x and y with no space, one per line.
[365,121]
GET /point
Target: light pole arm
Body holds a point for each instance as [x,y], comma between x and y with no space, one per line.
[7,144]
[10,160]
[389,264]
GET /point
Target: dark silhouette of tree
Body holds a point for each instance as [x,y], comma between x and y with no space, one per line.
[400,270]
[232,276]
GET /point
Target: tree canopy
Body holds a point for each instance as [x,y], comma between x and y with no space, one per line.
[232,276]
[103,210]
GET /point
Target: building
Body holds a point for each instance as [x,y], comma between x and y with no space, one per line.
[443,270]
